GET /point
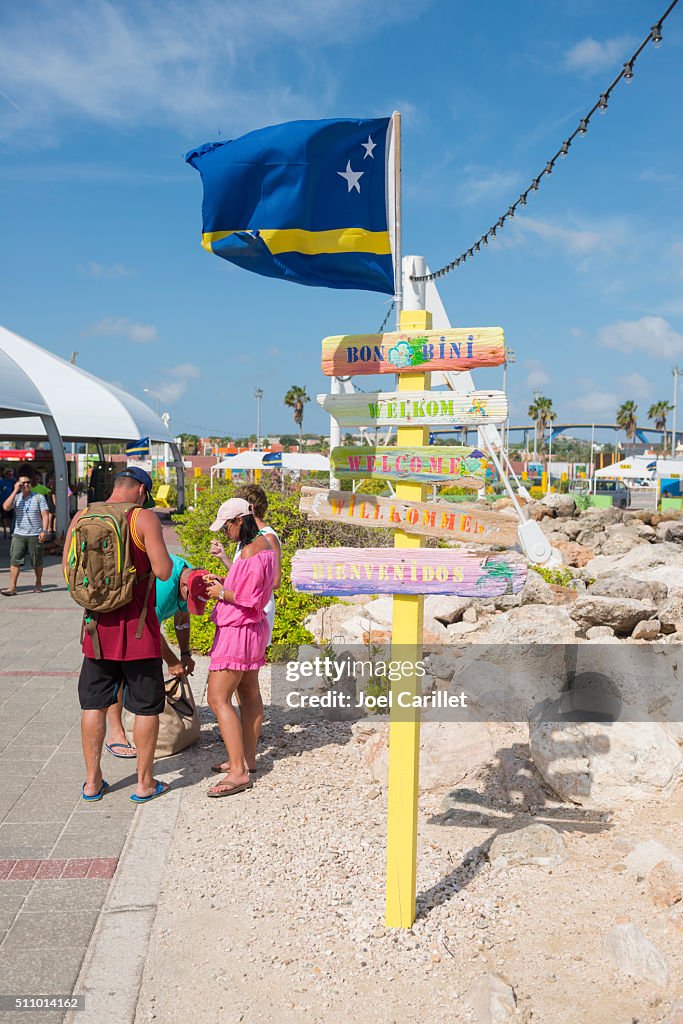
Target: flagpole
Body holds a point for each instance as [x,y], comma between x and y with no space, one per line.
[398,253]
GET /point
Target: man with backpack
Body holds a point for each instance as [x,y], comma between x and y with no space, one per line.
[114,551]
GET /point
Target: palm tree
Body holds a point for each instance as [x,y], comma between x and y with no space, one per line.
[658,412]
[295,399]
[541,410]
[626,419]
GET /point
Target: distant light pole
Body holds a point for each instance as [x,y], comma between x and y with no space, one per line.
[151,391]
[258,395]
[675,370]
[511,358]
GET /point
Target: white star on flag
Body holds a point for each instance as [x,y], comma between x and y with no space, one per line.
[369,146]
[352,177]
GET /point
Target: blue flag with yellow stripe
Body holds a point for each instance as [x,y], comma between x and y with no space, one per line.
[305,201]
[140,447]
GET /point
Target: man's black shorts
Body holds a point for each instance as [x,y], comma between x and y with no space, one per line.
[142,681]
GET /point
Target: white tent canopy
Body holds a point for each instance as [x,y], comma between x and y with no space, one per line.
[84,407]
[42,397]
[628,469]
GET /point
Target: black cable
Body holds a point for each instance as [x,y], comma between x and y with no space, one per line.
[655,36]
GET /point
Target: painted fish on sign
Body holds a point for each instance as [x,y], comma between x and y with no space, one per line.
[462,465]
[461,348]
[416,408]
[349,571]
[453,521]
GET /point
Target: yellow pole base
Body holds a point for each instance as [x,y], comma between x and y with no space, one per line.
[404,735]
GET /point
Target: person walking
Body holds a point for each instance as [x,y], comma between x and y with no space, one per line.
[121,647]
[255,496]
[31,521]
[172,602]
[240,642]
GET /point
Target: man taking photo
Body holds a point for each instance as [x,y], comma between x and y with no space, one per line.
[31,523]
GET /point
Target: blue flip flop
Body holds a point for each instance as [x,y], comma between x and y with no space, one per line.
[95,796]
[161,787]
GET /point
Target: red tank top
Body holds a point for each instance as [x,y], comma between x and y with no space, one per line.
[116,630]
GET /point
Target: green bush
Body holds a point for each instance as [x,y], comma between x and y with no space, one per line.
[562,576]
[295,531]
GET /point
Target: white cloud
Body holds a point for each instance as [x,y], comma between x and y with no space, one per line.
[537,379]
[651,335]
[581,240]
[636,386]
[589,55]
[482,183]
[121,327]
[199,63]
[576,332]
[184,371]
[171,390]
[273,351]
[114,270]
[596,405]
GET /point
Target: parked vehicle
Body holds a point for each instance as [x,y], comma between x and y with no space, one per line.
[619,492]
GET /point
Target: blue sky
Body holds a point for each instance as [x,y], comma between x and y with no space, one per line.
[101,218]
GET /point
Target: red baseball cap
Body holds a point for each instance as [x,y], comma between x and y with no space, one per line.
[196,592]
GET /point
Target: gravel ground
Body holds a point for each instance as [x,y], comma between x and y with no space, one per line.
[272,903]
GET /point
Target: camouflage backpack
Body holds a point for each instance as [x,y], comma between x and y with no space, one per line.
[100,570]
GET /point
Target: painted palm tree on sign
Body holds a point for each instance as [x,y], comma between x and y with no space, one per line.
[627,419]
[542,412]
[658,412]
[295,399]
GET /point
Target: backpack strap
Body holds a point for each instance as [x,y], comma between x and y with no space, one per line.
[143,614]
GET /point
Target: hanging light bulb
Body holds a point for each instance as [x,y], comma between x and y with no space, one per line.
[565,148]
[628,71]
[602,104]
[534,184]
[583,127]
[549,167]
[492,232]
[501,222]
[477,247]
[485,239]
[657,35]
[522,199]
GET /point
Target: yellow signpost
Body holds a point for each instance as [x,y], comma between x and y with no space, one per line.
[404,735]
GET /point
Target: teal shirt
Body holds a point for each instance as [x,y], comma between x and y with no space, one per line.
[168,600]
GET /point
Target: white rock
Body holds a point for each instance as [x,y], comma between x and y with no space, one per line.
[563,504]
[605,765]
[535,844]
[444,608]
[448,752]
[492,999]
[647,853]
[633,954]
[646,629]
[621,613]
[470,615]
[532,623]
[596,632]
[641,561]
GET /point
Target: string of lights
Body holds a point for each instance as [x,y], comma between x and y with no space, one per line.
[386,318]
[655,37]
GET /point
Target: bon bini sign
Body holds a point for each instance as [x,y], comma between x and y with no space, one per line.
[436,519]
[349,571]
[462,348]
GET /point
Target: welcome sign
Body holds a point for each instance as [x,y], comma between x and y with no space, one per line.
[461,522]
[350,571]
[429,465]
[462,348]
[416,408]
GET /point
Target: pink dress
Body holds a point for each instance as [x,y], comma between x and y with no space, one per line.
[242,629]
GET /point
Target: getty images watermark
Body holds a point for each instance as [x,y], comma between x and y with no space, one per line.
[328,669]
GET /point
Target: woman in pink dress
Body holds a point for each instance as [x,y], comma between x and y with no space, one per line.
[242,633]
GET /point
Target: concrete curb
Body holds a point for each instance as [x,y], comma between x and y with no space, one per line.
[111,974]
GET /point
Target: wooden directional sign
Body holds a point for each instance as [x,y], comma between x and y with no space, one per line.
[348,571]
[437,519]
[463,466]
[416,408]
[461,348]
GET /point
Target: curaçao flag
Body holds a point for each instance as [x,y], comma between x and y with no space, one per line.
[306,201]
[140,447]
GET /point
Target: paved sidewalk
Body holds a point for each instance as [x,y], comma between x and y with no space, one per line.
[57,853]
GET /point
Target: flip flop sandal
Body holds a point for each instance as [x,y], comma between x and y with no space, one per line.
[230,790]
[221,769]
[124,746]
[95,796]
[161,788]
[8,593]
